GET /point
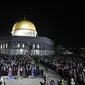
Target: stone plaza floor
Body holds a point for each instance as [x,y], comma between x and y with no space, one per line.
[51,75]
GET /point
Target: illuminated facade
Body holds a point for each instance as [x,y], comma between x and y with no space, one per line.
[24,40]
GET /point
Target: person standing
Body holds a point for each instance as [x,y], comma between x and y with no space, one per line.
[72,82]
[21,71]
[18,73]
[62,82]
[9,72]
[24,74]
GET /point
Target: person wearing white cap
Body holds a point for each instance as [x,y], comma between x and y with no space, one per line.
[62,82]
[72,81]
[9,72]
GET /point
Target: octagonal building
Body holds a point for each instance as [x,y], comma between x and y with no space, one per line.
[25,41]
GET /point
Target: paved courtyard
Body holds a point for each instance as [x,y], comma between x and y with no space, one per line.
[51,75]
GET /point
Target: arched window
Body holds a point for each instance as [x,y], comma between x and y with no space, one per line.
[6,45]
[18,45]
[1,46]
[38,46]
[33,46]
[23,45]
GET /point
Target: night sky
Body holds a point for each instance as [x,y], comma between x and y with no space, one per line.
[59,22]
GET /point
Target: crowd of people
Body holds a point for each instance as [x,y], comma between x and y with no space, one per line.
[19,66]
[69,67]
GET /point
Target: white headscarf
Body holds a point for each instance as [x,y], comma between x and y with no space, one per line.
[2,78]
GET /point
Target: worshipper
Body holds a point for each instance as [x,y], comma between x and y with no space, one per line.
[56,69]
[28,66]
[41,83]
[62,82]
[44,77]
[44,81]
[18,73]
[75,75]
[37,69]
[52,82]
[59,82]
[24,74]
[35,72]
[14,71]
[80,78]
[47,83]
[32,71]
[2,81]
[9,72]
[26,70]
[72,82]
[21,71]
[41,72]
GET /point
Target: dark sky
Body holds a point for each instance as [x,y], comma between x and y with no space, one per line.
[59,22]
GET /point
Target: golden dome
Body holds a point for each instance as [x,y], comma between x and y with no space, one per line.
[24,25]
